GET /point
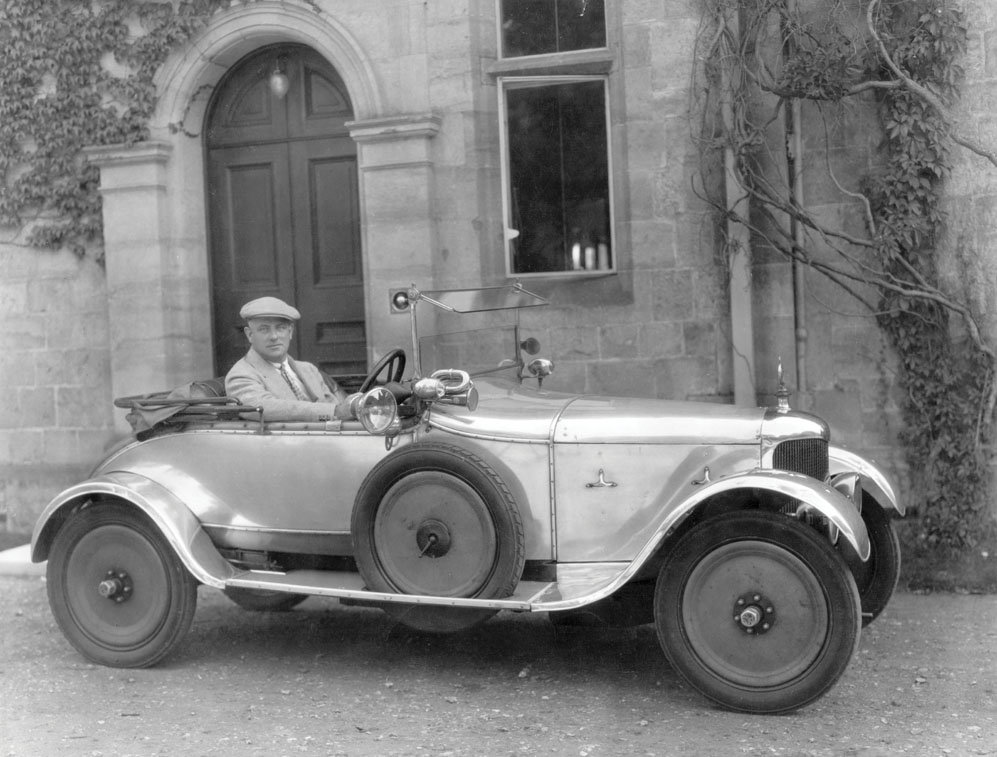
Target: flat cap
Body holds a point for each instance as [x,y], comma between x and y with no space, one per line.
[268,307]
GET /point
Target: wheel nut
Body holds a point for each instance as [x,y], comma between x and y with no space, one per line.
[750,617]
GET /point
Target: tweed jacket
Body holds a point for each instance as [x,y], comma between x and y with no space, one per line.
[255,381]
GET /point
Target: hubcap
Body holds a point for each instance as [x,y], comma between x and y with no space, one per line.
[433,538]
[116,586]
[754,613]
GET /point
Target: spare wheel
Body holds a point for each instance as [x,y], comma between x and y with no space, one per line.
[436,520]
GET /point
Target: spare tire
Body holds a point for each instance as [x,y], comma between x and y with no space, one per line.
[434,519]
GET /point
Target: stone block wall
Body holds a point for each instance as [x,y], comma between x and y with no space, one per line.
[971,203]
[660,327]
[56,414]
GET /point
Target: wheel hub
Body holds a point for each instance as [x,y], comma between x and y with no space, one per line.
[433,538]
[753,613]
[116,586]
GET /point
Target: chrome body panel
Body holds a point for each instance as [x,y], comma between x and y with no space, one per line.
[283,480]
[613,522]
[507,410]
[626,420]
[179,526]
[874,480]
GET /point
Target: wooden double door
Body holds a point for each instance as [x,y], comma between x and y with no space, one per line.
[284,207]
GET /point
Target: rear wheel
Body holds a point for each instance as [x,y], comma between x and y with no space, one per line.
[436,520]
[757,612]
[118,591]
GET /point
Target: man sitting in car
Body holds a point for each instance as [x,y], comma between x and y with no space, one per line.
[267,377]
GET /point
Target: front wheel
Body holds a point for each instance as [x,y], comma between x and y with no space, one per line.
[877,577]
[757,612]
[117,590]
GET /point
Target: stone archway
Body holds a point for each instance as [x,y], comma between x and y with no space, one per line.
[155,231]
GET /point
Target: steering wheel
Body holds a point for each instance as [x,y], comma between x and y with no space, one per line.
[394,361]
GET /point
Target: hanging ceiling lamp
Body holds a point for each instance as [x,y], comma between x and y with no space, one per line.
[279,83]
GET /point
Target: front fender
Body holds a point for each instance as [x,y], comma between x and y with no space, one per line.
[172,517]
[833,505]
[874,480]
[607,578]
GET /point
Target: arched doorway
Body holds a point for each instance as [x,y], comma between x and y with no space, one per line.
[283,207]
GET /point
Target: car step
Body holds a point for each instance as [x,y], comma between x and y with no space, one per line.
[350,586]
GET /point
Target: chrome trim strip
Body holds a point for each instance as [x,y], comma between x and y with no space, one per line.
[482,437]
[349,585]
[552,476]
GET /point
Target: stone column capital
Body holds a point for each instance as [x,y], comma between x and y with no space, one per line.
[393,128]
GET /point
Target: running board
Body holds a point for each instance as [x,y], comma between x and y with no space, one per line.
[349,585]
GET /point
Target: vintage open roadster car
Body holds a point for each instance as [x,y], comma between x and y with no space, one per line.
[755,547]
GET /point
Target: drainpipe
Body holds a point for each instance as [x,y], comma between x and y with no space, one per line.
[794,170]
[739,259]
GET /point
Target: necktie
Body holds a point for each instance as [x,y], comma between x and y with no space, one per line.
[291,382]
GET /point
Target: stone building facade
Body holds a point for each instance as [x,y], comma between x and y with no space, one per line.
[429,84]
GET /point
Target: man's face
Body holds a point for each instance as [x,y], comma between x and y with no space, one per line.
[270,337]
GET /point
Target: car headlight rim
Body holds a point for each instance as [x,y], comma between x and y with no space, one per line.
[377,410]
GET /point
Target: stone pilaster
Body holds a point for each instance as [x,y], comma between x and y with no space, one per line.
[147,352]
[397,214]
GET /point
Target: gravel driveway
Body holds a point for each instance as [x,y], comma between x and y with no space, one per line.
[330,680]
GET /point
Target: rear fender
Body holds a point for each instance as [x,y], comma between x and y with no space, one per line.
[874,480]
[171,516]
[812,495]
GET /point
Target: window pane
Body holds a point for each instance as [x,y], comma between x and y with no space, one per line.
[559,178]
[533,27]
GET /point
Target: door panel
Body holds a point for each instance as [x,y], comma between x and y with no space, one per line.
[249,238]
[329,269]
[284,208]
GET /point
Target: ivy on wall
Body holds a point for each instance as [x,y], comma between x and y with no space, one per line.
[74,75]
[763,54]
[947,379]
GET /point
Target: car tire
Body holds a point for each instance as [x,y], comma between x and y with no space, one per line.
[117,589]
[877,577]
[757,612]
[263,600]
[434,519]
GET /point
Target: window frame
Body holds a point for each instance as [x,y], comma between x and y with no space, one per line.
[506,83]
[558,54]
